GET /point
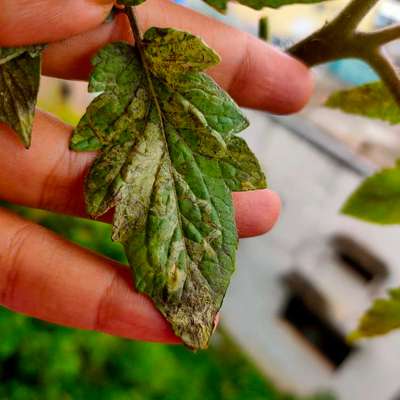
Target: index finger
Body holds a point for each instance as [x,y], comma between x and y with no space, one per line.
[46,277]
[25,22]
[255,74]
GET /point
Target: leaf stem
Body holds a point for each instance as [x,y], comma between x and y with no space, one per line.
[135,29]
[340,39]
[139,45]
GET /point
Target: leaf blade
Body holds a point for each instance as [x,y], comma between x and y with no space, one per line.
[372,100]
[19,85]
[167,167]
[222,5]
[377,199]
[382,318]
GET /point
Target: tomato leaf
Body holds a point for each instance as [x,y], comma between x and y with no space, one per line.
[383,317]
[222,5]
[19,86]
[372,100]
[377,199]
[168,162]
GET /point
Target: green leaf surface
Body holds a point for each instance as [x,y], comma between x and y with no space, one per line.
[222,5]
[377,199]
[372,100]
[181,53]
[382,318]
[19,85]
[168,162]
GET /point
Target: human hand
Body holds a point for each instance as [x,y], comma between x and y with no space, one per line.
[41,274]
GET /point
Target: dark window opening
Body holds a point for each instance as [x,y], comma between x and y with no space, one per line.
[397,397]
[357,259]
[330,343]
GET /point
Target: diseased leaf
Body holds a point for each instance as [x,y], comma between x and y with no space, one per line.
[168,162]
[372,100]
[219,5]
[383,317]
[222,5]
[219,110]
[7,54]
[377,199]
[181,53]
[19,85]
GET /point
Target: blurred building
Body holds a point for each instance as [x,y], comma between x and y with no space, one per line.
[300,289]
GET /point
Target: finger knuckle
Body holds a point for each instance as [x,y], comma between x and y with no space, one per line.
[11,260]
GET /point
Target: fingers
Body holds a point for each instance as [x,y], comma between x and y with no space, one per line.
[39,21]
[255,74]
[257,212]
[54,280]
[50,176]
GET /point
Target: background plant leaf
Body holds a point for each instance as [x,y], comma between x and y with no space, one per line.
[168,163]
[372,100]
[19,86]
[222,5]
[377,199]
[383,317]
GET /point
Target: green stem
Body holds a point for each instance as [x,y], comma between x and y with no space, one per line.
[263,28]
[136,31]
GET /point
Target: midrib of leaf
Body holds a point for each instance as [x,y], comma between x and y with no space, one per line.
[12,56]
[139,46]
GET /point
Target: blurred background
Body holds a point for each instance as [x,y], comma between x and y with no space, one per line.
[298,291]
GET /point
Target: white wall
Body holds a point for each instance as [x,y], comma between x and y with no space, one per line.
[312,187]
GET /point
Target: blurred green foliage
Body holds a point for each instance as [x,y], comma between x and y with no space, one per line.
[40,361]
[43,361]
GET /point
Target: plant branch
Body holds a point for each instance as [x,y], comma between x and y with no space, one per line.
[340,39]
[337,38]
[383,36]
[354,13]
[388,72]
